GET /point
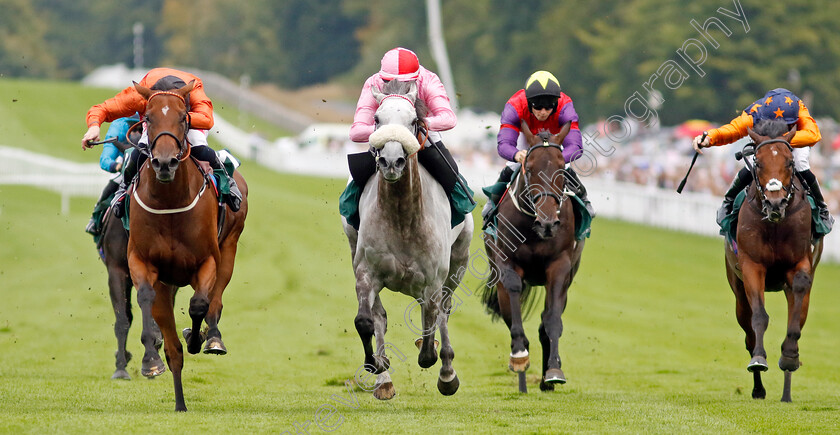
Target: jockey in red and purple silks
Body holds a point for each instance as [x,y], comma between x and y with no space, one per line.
[545,108]
[517,110]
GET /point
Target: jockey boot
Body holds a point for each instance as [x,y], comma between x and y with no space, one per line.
[205,153]
[93,226]
[492,204]
[440,164]
[579,189]
[741,181]
[132,162]
[814,187]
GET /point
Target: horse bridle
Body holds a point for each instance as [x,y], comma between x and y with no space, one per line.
[183,145]
[789,189]
[533,199]
[420,128]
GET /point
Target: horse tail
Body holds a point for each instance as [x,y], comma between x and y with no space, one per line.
[490,297]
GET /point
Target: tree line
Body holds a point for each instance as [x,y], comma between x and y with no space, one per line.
[677,59]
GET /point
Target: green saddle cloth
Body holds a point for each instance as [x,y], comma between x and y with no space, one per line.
[729,224]
[583,220]
[459,202]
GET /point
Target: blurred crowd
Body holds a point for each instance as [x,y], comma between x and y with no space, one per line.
[655,157]
[660,157]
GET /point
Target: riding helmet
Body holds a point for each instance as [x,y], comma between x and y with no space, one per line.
[542,89]
[779,103]
[400,64]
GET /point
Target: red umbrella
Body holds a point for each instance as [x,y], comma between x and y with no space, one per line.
[693,127]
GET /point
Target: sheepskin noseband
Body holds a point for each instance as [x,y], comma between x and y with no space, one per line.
[394,132]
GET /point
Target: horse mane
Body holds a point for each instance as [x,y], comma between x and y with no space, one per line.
[401,88]
[771,128]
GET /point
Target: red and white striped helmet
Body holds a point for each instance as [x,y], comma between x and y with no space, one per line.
[400,64]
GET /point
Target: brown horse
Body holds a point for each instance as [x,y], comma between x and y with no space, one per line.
[173,233]
[535,246]
[774,251]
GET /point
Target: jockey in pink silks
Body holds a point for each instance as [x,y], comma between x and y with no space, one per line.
[402,64]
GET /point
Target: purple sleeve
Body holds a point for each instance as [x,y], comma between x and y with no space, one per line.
[508,133]
[572,145]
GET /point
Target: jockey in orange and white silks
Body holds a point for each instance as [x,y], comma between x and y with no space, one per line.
[129,101]
[776,104]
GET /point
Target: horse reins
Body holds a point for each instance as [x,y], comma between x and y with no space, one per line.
[761,190]
[535,198]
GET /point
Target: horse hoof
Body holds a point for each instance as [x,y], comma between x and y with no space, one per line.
[545,386]
[448,388]
[789,364]
[519,362]
[554,376]
[153,371]
[757,364]
[121,374]
[419,343]
[214,346]
[384,391]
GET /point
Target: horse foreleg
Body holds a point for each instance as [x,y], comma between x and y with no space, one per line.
[143,276]
[798,295]
[224,272]
[511,284]
[428,352]
[164,315]
[203,282]
[119,286]
[366,293]
[448,382]
[754,275]
[384,389]
[551,328]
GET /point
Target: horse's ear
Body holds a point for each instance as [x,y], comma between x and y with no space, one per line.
[143,91]
[377,94]
[790,134]
[412,91]
[754,136]
[187,89]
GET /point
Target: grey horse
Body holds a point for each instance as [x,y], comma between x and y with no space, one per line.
[405,241]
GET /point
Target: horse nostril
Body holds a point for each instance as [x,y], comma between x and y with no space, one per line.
[382,162]
[173,163]
[400,163]
[155,163]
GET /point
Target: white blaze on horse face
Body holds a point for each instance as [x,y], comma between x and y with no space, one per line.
[774,185]
[165,110]
[775,153]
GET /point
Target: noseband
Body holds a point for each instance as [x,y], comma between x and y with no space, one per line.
[183,146]
[789,189]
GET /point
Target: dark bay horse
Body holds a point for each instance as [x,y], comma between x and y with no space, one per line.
[535,246]
[405,241]
[774,251]
[174,239]
[112,246]
[114,243]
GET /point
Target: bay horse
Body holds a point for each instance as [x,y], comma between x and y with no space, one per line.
[173,237]
[773,251]
[535,245]
[405,240]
